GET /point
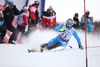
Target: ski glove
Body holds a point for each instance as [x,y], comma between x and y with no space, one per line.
[62,30]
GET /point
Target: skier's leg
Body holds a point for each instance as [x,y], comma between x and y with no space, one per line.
[53,46]
[44,45]
[53,43]
[50,47]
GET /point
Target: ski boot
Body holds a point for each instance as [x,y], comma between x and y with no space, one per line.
[81,47]
[31,50]
[44,47]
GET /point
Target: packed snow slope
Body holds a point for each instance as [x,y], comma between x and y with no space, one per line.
[18,56]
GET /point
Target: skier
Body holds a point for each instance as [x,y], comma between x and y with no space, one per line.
[63,38]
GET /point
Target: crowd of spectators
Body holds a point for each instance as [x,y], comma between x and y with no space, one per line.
[28,19]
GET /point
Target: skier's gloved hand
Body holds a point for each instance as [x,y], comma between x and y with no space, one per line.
[62,30]
[80,47]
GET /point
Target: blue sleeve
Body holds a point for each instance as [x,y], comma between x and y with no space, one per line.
[77,37]
[57,28]
[82,19]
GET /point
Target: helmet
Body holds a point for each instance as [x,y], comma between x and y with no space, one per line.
[36,2]
[69,22]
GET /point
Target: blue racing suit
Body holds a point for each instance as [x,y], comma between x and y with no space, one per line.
[65,36]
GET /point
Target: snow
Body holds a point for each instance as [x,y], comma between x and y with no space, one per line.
[18,56]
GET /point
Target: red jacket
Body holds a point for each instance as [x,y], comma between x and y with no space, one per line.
[48,19]
[25,19]
[32,10]
[51,21]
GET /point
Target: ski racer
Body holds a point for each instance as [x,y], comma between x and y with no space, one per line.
[63,38]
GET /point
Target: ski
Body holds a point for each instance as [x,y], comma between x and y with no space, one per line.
[31,50]
[42,50]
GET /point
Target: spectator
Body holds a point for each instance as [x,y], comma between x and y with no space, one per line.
[76,21]
[23,21]
[2,28]
[9,14]
[2,7]
[34,14]
[94,25]
[49,18]
[89,24]
[87,14]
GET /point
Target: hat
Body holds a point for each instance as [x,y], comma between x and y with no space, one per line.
[50,7]
[87,12]
[36,2]
[10,2]
[76,14]
[25,8]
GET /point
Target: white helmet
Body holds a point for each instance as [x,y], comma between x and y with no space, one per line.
[69,22]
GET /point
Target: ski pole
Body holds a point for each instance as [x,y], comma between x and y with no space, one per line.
[64,48]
